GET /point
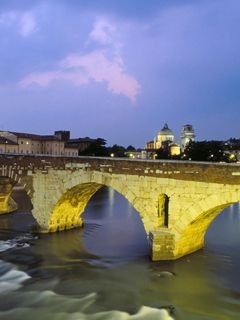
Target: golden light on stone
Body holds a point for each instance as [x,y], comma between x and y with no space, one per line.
[7,204]
[67,211]
[175,150]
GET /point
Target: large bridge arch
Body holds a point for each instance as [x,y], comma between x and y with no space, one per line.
[59,202]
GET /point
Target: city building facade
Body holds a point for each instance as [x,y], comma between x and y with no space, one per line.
[165,140]
[164,136]
[25,143]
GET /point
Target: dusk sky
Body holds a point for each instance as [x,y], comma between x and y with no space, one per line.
[120,69]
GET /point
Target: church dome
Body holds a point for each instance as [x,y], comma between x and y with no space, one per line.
[165,131]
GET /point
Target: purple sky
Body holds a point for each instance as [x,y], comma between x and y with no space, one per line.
[120,69]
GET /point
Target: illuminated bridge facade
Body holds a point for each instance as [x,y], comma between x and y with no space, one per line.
[176,200]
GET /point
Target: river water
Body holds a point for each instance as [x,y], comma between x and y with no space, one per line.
[103,270]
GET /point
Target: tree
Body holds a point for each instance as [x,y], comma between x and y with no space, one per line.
[130,148]
[205,151]
[97,148]
[118,151]
[233,144]
[162,153]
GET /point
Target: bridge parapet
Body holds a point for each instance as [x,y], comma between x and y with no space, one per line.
[179,170]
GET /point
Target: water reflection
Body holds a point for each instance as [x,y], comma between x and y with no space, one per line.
[113,229]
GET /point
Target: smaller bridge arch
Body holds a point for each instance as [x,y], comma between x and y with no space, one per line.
[16,177]
[199,218]
[8,179]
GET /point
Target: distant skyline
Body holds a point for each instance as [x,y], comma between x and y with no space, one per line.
[120,69]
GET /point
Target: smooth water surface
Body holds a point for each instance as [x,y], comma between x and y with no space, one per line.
[103,270]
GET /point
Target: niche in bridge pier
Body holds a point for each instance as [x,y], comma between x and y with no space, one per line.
[163,204]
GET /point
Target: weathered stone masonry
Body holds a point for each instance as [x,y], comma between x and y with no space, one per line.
[176,200]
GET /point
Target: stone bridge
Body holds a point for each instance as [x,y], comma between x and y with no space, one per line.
[176,200]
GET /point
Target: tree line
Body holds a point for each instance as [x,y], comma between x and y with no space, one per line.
[99,148]
[213,150]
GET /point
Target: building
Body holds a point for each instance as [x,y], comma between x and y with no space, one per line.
[175,150]
[8,146]
[187,135]
[80,143]
[150,145]
[25,143]
[166,140]
[164,137]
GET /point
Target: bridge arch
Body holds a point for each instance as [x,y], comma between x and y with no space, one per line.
[62,201]
[199,218]
[9,179]
[66,213]
[16,179]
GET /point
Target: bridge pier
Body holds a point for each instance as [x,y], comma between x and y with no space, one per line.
[162,244]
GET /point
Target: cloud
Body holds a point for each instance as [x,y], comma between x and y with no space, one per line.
[102,32]
[24,23]
[82,69]
[104,64]
[27,24]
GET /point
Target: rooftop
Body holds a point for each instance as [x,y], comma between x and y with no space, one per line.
[7,141]
[165,130]
[35,136]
